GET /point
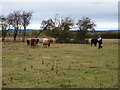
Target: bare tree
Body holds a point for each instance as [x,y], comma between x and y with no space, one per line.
[66,23]
[26,16]
[15,20]
[48,24]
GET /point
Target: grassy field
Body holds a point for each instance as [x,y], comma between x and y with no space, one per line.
[60,66]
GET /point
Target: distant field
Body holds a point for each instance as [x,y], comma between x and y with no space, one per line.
[60,66]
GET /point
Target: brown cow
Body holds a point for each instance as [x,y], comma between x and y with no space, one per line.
[33,42]
[47,41]
[29,41]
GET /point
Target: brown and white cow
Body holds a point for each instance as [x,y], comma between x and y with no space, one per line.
[47,41]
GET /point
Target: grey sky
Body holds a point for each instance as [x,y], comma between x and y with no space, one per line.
[104,14]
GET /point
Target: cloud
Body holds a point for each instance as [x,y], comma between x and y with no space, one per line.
[100,12]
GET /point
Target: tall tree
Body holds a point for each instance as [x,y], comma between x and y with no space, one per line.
[84,25]
[15,17]
[66,23]
[3,23]
[26,16]
[64,34]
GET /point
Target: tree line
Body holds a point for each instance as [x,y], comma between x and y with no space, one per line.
[58,28]
[105,35]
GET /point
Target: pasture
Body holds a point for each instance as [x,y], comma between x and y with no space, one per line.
[60,66]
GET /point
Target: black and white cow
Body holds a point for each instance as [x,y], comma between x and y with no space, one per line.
[94,41]
[97,40]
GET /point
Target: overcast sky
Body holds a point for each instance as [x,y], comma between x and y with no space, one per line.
[103,13]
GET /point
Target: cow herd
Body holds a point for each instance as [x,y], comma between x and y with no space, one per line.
[34,42]
[47,41]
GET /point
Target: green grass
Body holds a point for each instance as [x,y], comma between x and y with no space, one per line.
[60,66]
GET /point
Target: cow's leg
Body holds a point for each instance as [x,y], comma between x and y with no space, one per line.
[37,43]
[44,45]
[28,42]
[31,45]
[91,43]
[34,44]
[95,44]
[49,45]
